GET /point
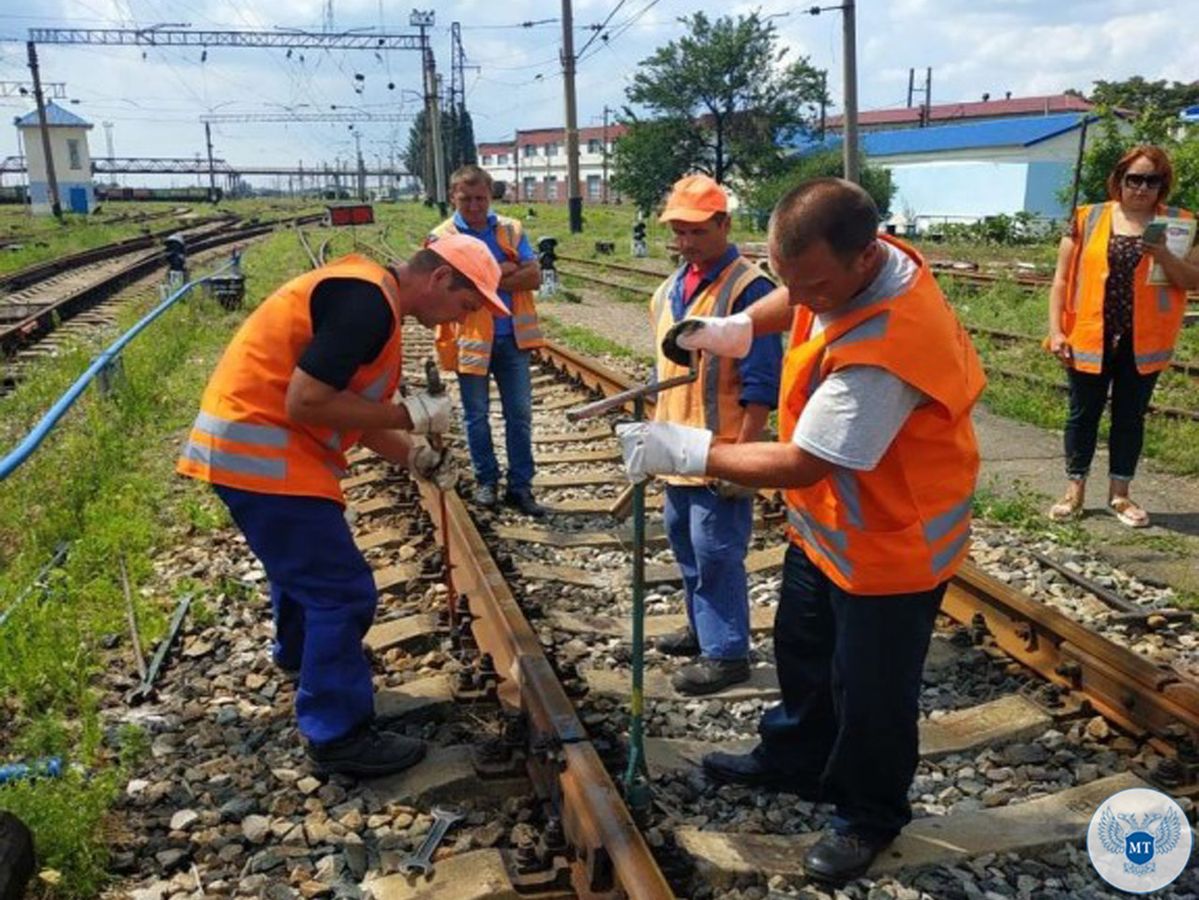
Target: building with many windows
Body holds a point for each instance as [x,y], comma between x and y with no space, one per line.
[532,167]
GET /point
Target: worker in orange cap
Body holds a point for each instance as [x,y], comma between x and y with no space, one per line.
[311,373]
[708,521]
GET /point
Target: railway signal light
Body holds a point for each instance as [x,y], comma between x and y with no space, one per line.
[547,259]
[640,248]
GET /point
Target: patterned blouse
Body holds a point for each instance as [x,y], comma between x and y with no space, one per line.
[1123,254]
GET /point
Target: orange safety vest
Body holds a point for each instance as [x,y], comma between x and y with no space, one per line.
[714,401]
[242,437]
[465,346]
[1157,310]
[904,526]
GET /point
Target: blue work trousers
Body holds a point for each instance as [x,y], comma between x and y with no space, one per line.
[324,597]
[850,669]
[710,536]
[509,367]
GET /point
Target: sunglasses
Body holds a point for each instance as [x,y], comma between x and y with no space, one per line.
[1150,181]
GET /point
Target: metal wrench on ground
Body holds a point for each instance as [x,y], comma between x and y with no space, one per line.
[421,862]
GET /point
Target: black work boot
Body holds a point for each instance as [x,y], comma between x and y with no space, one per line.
[754,769]
[366,751]
[486,496]
[678,643]
[522,499]
[707,676]
[838,858]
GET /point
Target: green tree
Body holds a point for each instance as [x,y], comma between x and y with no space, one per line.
[461,140]
[1108,142]
[730,80]
[762,194]
[415,159]
[650,157]
[1141,96]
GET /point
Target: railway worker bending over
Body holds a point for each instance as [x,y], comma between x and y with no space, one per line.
[480,348]
[709,522]
[310,374]
[878,457]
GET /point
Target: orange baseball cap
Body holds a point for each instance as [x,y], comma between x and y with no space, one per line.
[695,198]
[473,259]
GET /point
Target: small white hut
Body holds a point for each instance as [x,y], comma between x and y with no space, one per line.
[72,161]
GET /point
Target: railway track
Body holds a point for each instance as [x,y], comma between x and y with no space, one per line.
[645,279]
[78,291]
[516,670]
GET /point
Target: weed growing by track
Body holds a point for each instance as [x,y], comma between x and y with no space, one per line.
[103,481]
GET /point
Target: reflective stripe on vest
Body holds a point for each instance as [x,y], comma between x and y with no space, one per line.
[236,463]
[240,432]
[724,302]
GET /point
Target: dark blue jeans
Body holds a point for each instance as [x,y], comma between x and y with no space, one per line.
[850,669]
[510,368]
[1131,392]
[709,536]
[323,595]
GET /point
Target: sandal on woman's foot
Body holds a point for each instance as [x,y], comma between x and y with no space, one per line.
[1128,512]
[1069,507]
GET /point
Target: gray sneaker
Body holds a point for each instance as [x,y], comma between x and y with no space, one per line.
[366,751]
[486,496]
[707,676]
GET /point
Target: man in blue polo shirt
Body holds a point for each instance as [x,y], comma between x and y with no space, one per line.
[708,522]
[496,347]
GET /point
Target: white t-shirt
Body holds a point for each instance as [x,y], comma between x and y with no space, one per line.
[856,412]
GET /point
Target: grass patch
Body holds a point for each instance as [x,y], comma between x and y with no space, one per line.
[103,480]
[1023,509]
[587,341]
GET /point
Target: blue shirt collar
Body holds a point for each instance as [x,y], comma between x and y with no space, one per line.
[713,271]
[460,224]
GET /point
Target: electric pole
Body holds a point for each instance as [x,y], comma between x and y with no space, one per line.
[422,21]
[572,122]
[850,146]
[605,140]
[211,170]
[51,178]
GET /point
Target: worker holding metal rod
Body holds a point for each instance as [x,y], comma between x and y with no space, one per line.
[878,460]
[709,521]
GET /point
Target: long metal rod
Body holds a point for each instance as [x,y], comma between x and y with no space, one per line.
[635,788]
[849,54]
[633,395]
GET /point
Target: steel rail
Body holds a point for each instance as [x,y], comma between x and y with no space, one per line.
[23,278]
[36,325]
[610,853]
[1143,697]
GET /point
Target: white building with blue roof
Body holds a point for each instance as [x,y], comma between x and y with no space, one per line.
[72,161]
[965,172]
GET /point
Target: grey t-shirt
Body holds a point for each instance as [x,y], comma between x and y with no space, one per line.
[856,412]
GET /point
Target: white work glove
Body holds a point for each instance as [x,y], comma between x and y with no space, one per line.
[719,335]
[663,448]
[432,465]
[430,413]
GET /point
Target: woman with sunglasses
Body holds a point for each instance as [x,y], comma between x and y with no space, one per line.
[1109,326]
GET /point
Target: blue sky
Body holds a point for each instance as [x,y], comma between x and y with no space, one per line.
[155,101]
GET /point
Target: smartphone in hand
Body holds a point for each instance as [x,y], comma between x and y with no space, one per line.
[1155,233]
